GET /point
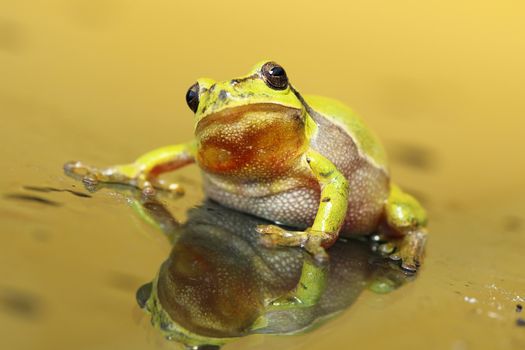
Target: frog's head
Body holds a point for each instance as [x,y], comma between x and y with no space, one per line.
[249,123]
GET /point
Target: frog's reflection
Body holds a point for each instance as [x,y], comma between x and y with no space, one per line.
[219,283]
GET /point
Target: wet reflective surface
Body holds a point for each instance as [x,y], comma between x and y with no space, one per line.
[104,81]
[220,282]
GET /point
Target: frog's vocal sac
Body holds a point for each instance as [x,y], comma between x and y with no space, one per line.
[302,161]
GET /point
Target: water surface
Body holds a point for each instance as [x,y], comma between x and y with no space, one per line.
[104,81]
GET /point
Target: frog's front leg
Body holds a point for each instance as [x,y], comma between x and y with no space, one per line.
[142,173]
[330,215]
[406,218]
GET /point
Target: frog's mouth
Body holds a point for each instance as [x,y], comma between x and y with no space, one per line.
[250,137]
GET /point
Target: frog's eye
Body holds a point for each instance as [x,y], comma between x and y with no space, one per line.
[274,76]
[192,97]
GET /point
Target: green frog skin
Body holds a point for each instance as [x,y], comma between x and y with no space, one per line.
[306,162]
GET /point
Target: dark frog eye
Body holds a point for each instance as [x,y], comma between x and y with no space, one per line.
[192,97]
[274,76]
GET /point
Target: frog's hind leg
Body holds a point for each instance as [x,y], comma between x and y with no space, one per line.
[406,219]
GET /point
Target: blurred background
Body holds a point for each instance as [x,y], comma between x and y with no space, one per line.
[441,83]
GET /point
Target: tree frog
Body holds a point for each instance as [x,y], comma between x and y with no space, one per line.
[307,163]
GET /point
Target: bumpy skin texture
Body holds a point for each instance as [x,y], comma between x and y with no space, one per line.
[306,162]
[218,283]
[297,205]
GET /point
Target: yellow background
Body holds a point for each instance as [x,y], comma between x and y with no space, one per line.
[104,81]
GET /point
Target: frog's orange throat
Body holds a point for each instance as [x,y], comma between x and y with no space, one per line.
[255,141]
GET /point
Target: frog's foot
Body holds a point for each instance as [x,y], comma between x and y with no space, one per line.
[408,250]
[406,218]
[129,174]
[312,241]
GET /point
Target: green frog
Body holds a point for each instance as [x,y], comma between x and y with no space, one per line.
[307,163]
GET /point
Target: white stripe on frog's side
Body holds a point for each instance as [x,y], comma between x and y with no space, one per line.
[365,141]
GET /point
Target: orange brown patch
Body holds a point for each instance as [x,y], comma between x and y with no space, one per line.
[251,141]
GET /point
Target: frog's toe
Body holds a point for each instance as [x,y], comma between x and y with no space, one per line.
[90,176]
[314,246]
[147,188]
[411,250]
[312,242]
[175,188]
[172,188]
[78,169]
[273,235]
